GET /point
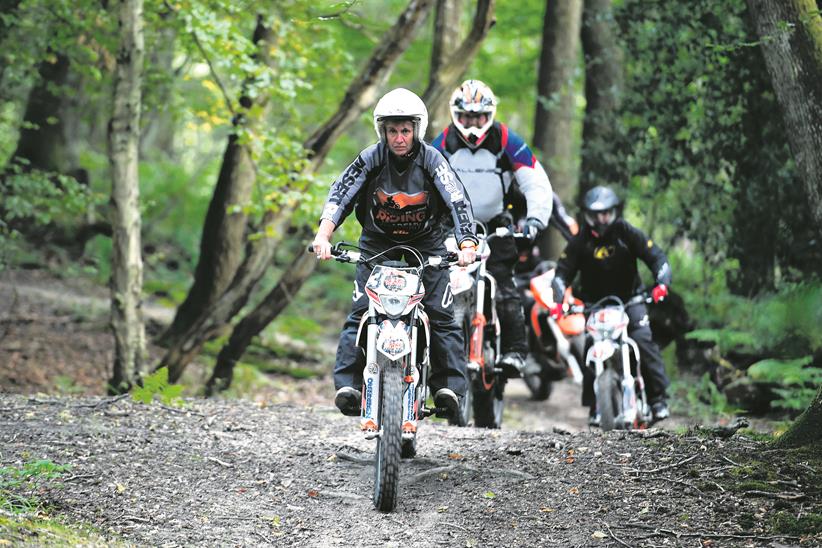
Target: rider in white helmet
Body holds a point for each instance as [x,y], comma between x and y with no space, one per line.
[490,159]
[401,189]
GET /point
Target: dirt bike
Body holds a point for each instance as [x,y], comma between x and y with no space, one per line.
[556,345]
[474,290]
[618,386]
[394,334]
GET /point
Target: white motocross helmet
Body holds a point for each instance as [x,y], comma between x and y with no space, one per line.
[474,97]
[401,103]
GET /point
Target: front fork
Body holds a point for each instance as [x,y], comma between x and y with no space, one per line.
[369,416]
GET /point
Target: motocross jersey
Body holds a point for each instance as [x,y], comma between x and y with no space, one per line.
[488,171]
[401,198]
[608,265]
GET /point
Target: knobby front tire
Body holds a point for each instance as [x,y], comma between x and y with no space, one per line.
[609,399]
[387,462]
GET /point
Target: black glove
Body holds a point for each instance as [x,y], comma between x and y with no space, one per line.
[533,227]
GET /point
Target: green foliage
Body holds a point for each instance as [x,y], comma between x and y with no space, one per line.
[30,476]
[700,399]
[702,144]
[797,383]
[156,386]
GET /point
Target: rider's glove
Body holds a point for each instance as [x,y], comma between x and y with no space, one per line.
[659,293]
[533,227]
[555,311]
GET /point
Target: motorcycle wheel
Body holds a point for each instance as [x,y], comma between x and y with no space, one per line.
[466,405]
[387,461]
[609,399]
[488,403]
[539,383]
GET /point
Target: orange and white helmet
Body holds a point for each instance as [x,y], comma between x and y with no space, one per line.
[401,104]
[473,97]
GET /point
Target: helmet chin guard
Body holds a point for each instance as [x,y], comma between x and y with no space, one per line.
[401,104]
[473,97]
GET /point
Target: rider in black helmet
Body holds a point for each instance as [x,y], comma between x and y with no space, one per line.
[605,253]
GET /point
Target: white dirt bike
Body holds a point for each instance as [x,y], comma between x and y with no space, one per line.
[614,359]
[395,336]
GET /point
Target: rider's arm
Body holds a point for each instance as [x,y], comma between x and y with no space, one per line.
[566,269]
[453,194]
[563,222]
[649,253]
[532,178]
[342,196]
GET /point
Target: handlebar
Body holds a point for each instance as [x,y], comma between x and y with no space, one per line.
[355,256]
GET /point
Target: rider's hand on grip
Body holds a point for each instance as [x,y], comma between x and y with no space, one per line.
[467,253]
[555,311]
[659,293]
[532,228]
[321,247]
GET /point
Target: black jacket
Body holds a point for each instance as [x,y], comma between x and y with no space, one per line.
[608,265]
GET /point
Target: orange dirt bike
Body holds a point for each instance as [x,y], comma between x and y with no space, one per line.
[556,346]
[395,335]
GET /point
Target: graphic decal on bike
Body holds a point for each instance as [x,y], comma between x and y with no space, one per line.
[399,213]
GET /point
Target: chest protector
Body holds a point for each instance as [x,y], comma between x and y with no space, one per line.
[401,205]
[483,180]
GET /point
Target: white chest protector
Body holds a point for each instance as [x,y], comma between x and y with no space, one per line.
[483,179]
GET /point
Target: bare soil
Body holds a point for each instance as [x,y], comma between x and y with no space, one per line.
[288,470]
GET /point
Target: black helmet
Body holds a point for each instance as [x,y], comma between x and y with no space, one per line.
[597,200]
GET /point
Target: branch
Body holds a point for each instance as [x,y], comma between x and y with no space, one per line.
[456,63]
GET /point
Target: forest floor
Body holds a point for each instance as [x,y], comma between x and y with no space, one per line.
[286,469]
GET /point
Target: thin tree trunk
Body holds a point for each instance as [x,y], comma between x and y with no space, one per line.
[221,243]
[791,39]
[603,91]
[446,36]
[358,97]
[302,265]
[127,264]
[554,121]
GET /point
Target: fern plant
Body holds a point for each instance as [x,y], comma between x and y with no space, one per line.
[157,386]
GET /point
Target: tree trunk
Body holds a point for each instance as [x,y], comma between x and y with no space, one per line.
[806,430]
[221,244]
[249,327]
[302,265]
[442,82]
[446,25]
[42,143]
[358,97]
[554,121]
[791,40]
[603,91]
[127,264]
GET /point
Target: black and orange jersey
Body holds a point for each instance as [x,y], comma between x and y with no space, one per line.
[401,198]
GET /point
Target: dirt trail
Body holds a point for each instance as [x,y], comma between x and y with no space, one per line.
[236,473]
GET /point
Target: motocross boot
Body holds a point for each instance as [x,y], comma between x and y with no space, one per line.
[514,343]
[348,400]
[445,398]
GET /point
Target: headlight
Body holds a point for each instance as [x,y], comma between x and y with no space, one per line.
[394,304]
